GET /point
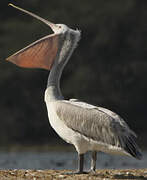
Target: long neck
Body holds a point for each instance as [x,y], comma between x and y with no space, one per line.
[67,45]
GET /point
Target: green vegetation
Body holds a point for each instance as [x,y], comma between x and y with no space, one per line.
[109,67]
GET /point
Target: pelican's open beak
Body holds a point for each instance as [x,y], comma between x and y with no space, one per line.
[40,54]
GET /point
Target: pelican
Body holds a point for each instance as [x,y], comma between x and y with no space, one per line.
[87,127]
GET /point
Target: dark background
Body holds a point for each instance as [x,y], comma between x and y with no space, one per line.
[109,67]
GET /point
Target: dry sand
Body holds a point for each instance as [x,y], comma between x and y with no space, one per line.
[60,174]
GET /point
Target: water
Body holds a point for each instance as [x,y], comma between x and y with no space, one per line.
[65,160]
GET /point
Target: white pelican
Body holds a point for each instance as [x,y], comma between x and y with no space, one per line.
[87,127]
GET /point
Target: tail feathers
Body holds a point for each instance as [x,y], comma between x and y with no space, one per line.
[132,148]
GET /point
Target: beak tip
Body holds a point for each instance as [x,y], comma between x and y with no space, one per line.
[10,4]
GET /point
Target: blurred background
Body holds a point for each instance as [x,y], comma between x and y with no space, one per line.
[109,67]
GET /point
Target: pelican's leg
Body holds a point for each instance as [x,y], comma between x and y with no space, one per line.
[93,161]
[80,166]
[80,163]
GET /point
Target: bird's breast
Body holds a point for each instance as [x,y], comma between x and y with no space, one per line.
[58,125]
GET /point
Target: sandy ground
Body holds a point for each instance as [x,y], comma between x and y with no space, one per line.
[58,174]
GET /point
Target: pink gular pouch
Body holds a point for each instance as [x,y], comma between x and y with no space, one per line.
[41,53]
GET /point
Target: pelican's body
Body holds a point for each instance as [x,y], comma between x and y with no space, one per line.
[87,127]
[84,140]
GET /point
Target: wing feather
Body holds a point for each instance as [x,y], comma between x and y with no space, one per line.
[98,125]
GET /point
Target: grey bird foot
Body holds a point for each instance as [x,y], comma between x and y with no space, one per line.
[91,171]
[76,172]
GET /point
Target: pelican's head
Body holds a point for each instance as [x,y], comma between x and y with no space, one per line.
[42,53]
[58,28]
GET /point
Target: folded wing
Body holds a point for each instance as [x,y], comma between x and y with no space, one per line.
[98,125]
